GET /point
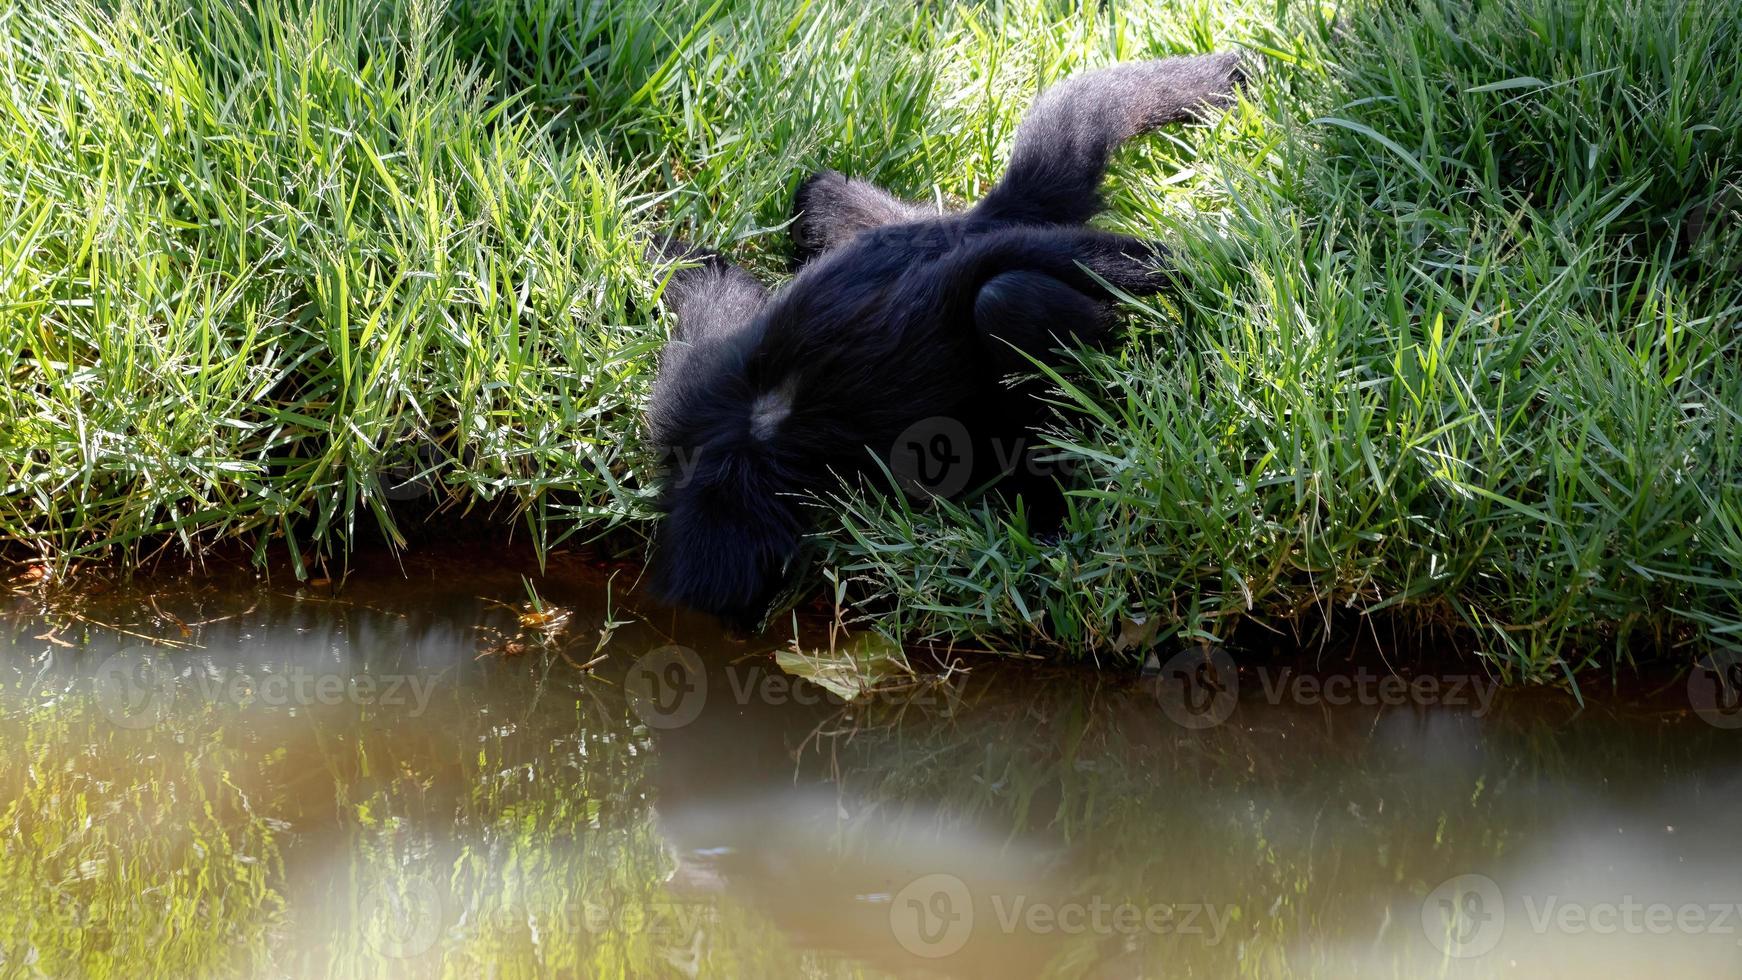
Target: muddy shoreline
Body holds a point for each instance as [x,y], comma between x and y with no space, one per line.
[1351,660]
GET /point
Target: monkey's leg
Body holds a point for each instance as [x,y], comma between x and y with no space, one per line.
[1063,144]
[829,209]
[709,296]
[1069,255]
[1034,287]
[709,300]
[1023,315]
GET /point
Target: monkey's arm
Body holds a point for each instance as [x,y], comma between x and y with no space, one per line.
[1069,255]
[1034,288]
[1063,144]
[709,296]
[830,208]
[1022,315]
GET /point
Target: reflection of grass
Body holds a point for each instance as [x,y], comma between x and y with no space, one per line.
[230,843]
[511,829]
[1455,334]
[177,851]
[537,844]
[137,855]
[1312,831]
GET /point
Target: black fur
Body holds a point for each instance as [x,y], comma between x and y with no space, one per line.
[895,337]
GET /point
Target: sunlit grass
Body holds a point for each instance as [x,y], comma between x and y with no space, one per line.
[258,256]
[1457,335]
[1457,339]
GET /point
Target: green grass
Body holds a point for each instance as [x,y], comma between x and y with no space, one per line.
[1458,340]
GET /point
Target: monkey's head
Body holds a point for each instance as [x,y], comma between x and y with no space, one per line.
[761,403]
[733,485]
[725,549]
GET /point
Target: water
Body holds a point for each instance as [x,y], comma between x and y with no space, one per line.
[414,776]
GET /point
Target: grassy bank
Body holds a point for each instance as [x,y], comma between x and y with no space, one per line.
[1458,338]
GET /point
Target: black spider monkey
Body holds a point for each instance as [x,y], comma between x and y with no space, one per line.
[893,342]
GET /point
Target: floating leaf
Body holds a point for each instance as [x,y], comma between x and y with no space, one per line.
[850,671]
[1135,632]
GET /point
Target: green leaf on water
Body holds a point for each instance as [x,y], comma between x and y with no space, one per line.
[1136,632]
[852,670]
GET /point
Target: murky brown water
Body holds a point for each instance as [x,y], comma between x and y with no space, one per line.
[311,783]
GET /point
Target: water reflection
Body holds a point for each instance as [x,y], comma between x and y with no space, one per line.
[309,782]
